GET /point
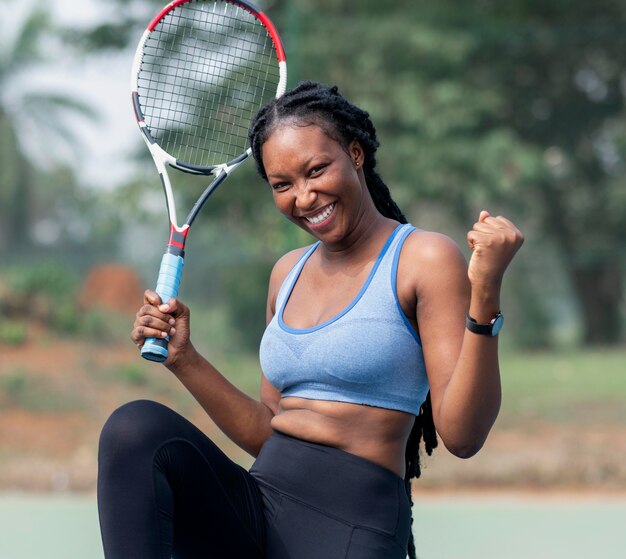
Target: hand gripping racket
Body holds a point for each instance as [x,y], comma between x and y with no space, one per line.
[201,71]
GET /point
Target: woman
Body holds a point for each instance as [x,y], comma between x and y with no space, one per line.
[363,325]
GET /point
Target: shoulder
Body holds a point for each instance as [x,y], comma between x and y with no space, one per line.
[280,270]
[285,263]
[429,247]
[430,259]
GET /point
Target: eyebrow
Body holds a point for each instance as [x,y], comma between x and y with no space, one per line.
[304,165]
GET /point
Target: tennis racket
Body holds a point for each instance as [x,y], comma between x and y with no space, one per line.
[201,71]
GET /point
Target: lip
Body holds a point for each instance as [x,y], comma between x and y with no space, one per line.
[323,223]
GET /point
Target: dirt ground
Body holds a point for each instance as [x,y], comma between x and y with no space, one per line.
[55,395]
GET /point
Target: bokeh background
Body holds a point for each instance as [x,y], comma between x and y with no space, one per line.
[517,107]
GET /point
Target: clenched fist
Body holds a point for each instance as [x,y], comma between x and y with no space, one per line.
[494,242]
[156,319]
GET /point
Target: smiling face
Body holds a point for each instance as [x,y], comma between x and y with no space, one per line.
[316,182]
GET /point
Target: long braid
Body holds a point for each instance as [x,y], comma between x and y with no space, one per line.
[323,105]
[423,428]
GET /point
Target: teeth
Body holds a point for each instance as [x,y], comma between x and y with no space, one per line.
[322,216]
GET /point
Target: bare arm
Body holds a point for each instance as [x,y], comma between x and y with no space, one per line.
[463,367]
[245,420]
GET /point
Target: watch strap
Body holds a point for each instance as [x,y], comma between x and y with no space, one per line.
[485,329]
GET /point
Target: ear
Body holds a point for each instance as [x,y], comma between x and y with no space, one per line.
[356,153]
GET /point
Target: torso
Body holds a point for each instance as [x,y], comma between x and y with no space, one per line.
[322,291]
[376,434]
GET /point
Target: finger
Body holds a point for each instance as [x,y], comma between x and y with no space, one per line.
[149,316]
[472,239]
[139,334]
[479,241]
[484,227]
[501,228]
[506,221]
[151,310]
[499,222]
[173,307]
[511,227]
[164,323]
[496,225]
[152,297]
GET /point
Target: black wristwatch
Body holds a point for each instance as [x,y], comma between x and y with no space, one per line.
[491,329]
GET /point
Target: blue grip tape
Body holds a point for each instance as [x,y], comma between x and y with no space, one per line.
[155,349]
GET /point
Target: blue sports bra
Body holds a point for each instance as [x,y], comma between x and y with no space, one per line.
[368,354]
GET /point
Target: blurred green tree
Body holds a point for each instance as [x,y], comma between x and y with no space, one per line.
[34,126]
[517,106]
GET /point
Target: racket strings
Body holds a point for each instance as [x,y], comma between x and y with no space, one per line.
[207,67]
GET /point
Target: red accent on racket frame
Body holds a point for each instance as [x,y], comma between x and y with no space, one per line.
[278,46]
[184,232]
[164,11]
[248,6]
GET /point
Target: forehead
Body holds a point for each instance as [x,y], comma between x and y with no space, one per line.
[292,143]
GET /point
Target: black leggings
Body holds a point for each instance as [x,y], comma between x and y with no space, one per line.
[165,490]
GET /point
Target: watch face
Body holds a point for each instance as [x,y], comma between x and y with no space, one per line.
[497,325]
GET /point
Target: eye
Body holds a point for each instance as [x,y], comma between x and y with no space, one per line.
[317,169]
[279,185]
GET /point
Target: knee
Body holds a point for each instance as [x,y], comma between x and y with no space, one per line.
[133,426]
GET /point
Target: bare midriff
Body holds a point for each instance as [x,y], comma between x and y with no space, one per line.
[376,434]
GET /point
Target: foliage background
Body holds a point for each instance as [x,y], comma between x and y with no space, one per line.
[516,107]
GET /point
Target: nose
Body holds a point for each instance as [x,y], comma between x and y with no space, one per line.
[305,197]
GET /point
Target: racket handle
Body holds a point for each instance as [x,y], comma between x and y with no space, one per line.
[155,349]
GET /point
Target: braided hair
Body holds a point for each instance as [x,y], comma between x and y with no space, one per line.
[314,103]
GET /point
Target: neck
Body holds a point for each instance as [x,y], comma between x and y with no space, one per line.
[370,231]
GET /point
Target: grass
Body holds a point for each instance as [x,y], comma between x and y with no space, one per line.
[13,333]
[20,389]
[216,339]
[553,385]
[561,386]
[243,371]
[565,385]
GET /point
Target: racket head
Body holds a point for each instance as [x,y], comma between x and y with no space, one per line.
[201,71]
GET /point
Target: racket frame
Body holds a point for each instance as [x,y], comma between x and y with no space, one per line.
[168,282]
